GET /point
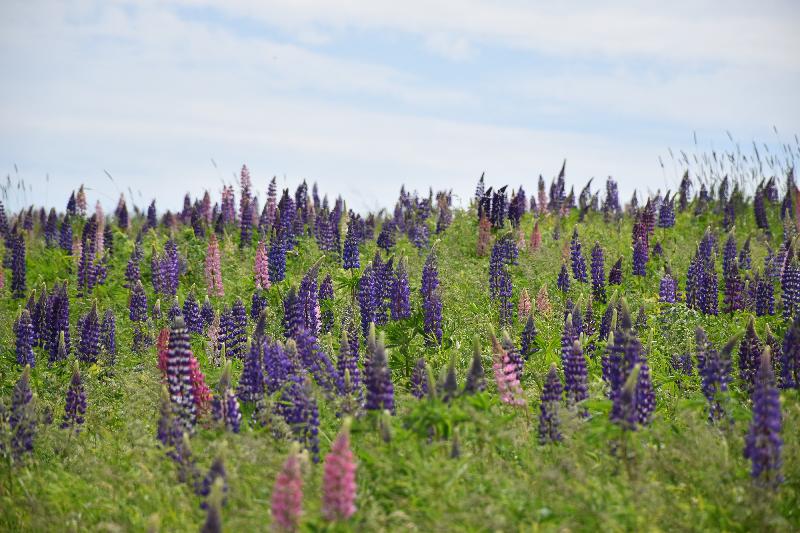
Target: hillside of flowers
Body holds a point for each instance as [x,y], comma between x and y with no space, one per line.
[551,356]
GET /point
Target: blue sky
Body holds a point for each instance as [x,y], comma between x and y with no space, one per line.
[364,96]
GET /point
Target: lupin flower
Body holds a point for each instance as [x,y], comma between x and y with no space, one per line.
[339,480]
[225,406]
[484,236]
[419,379]
[22,418]
[615,274]
[667,291]
[213,523]
[108,334]
[401,292]
[476,378]
[563,279]
[191,313]
[277,256]
[715,371]
[536,238]
[640,257]
[576,387]
[763,442]
[578,261]
[89,343]
[200,391]
[378,380]
[790,356]
[23,329]
[598,273]
[348,362]
[75,408]
[549,430]
[18,269]
[57,322]
[765,295]
[207,313]
[235,330]
[261,266]
[213,269]
[326,301]
[179,378]
[750,349]
[287,495]
[528,337]
[350,256]
[431,301]
[524,305]
[543,305]
[137,305]
[506,376]
[624,411]
[251,382]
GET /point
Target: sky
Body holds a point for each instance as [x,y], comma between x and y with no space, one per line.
[174,96]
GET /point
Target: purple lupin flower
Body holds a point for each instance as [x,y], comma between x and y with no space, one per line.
[236,331]
[179,377]
[624,411]
[615,274]
[348,362]
[307,299]
[277,256]
[137,304]
[207,313]
[431,301]
[302,414]
[316,361]
[170,268]
[790,356]
[575,375]
[549,424]
[528,337]
[640,257]
[258,303]
[19,285]
[89,343]
[715,371]
[225,406]
[292,314]
[598,273]
[563,279]
[419,379]
[750,349]
[476,377]
[23,329]
[745,260]
[666,213]
[765,295]
[191,313]
[578,261]
[58,322]
[763,442]
[65,235]
[378,380]
[174,310]
[75,408]
[108,334]
[350,256]
[251,382]
[22,418]
[790,285]
[326,303]
[668,289]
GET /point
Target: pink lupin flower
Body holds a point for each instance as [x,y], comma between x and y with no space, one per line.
[162,348]
[80,201]
[505,375]
[542,199]
[543,301]
[261,267]
[287,495]
[200,391]
[524,306]
[339,480]
[77,250]
[536,237]
[213,269]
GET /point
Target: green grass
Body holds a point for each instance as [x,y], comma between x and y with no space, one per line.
[685,476]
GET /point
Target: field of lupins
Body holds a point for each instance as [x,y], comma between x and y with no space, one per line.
[545,359]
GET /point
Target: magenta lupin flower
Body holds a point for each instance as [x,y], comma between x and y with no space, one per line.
[213,269]
[261,266]
[287,495]
[339,480]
